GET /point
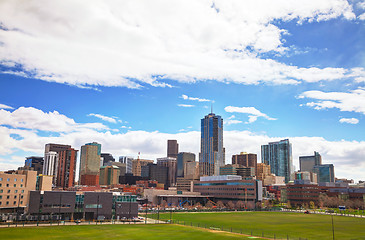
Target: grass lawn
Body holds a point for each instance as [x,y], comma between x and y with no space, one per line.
[310,226]
[146,232]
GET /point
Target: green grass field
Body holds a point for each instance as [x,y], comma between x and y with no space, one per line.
[296,225]
[145,232]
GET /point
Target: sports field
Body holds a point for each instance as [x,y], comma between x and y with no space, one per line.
[294,225]
[118,231]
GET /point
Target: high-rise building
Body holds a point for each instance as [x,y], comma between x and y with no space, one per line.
[128,163]
[66,170]
[90,164]
[170,163]
[105,158]
[109,175]
[279,156]
[262,171]
[137,164]
[50,165]
[245,159]
[182,158]
[307,163]
[211,156]
[172,148]
[15,187]
[34,163]
[325,173]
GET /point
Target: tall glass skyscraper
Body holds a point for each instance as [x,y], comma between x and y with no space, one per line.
[279,156]
[211,156]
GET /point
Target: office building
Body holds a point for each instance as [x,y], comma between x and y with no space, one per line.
[211,156]
[137,164]
[182,159]
[90,164]
[109,175]
[325,173]
[157,173]
[170,163]
[128,162]
[66,170]
[105,158]
[34,163]
[312,177]
[44,183]
[230,188]
[14,189]
[172,148]
[245,159]
[302,192]
[191,170]
[307,163]
[122,167]
[279,156]
[50,165]
[262,170]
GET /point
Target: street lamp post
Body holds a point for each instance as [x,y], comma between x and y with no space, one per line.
[333,229]
[97,210]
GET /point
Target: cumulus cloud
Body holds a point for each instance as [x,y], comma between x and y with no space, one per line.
[3,106]
[352,101]
[185,105]
[35,119]
[253,113]
[104,118]
[133,43]
[185,97]
[349,120]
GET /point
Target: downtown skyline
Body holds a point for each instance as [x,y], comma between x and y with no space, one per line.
[132,76]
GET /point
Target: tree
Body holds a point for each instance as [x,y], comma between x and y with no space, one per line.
[240,204]
[220,204]
[209,205]
[288,205]
[312,205]
[163,204]
[198,205]
[231,205]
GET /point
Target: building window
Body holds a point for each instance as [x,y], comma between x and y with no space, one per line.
[8,191]
[22,180]
[21,185]
[1,185]
[14,196]
[7,184]
[1,197]
[21,196]
[7,203]
[22,191]
[16,191]
[21,202]
[14,179]
[0,203]
[14,185]
[7,197]
[1,178]
[8,179]
[1,191]
[14,202]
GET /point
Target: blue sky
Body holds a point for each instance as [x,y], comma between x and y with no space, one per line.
[134,74]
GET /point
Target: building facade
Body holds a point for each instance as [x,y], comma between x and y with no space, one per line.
[90,164]
[245,159]
[307,163]
[182,159]
[170,163]
[137,164]
[109,175]
[325,173]
[66,170]
[262,170]
[14,189]
[128,163]
[211,156]
[105,158]
[279,156]
[172,148]
[34,163]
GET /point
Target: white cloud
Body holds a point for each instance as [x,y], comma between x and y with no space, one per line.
[352,101]
[185,97]
[35,119]
[232,121]
[104,118]
[132,43]
[185,105]
[349,120]
[3,106]
[253,113]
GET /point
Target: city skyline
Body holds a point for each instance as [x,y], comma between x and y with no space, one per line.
[273,71]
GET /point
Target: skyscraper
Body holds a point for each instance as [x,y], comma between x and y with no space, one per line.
[66,170]
[170,163]
[325,173]
[182,159]
[211,156]
[128,163]
[172,148]
[90,164]
[245,159]
[307,163]
[279,156]
[50,165]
